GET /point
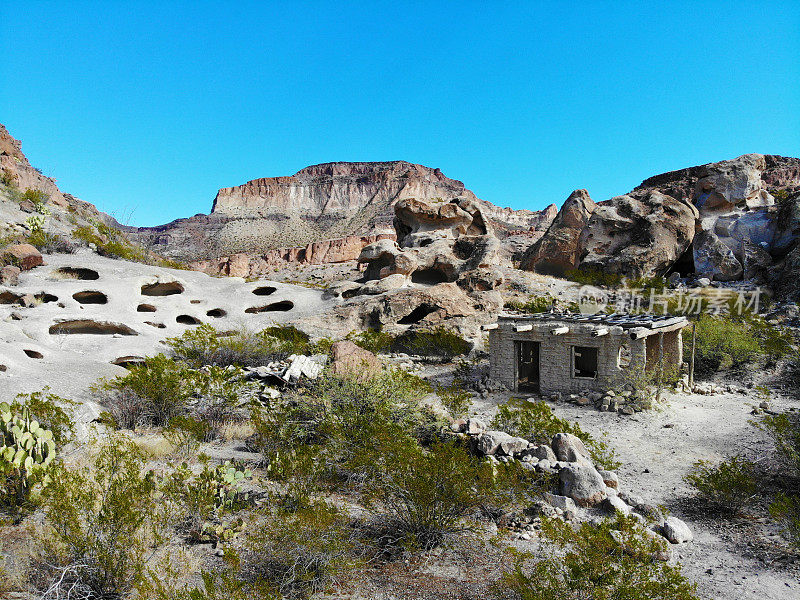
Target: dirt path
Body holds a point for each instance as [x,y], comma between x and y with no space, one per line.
[657,448]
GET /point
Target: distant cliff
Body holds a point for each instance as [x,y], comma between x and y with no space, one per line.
[321,202]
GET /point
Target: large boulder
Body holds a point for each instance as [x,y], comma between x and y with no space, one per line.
[438,242]
[499,442]
[715,259]
[559,249]
[24,256]
[569,448]
[583,484]
[639,234]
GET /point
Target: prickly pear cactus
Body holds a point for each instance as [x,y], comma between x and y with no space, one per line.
[26,450]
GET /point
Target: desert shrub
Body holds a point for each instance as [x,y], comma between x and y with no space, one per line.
[421,497]
[103,523]
[298,554]
[50,243]
[731,341]
[158,390]
[113,243]
[535,422]
[204,345]
[374,340]
[7,178]
[455,398]
[347,425]
[287,338]
[38,197]
[646,385]
[785,431]
[615,560]
[593,276]
[439,342]
[151,393]
[786,509]
[186,433]
[537,304]
[730,485]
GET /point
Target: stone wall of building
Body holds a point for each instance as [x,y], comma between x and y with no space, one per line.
[555,355]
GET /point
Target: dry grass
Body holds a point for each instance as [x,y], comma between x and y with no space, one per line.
[155,446]
[236,431]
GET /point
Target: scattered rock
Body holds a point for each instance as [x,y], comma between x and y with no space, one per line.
[24,256]
[676,531]
[568,447]
[583,484]
[9,275]
[353,361]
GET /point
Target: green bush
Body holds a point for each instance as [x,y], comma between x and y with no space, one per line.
[730,485]
[204,345]
[786,508]
[421,497]
[439,342]
[113,243]
[615,560]
[731,341]
[537,304]
[593,276]
[374,340]
[347,425]
[455,398]
[535,422]
[103,523]
[151,393]
[785,432]
[50,243]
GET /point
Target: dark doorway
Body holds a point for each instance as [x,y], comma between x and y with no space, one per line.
[527,366]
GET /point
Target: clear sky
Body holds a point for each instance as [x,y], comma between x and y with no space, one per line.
[147,108]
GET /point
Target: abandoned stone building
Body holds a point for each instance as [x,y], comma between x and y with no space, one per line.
[551,352]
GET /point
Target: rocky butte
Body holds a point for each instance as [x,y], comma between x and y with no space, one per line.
[281,218]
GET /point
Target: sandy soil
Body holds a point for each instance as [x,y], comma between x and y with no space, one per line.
[743,559]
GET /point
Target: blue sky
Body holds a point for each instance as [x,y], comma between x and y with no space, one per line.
[147,108]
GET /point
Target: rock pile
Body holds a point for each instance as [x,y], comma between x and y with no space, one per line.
[585,491]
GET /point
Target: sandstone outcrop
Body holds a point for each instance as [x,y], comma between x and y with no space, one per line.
[321,202]
[719,221]
[559,248]
[438,242]
[258,265]
[637,234]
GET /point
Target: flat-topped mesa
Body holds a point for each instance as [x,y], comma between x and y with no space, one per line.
[322,202]
[339,187]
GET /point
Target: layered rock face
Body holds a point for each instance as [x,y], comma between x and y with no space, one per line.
[321,202]
[719,220]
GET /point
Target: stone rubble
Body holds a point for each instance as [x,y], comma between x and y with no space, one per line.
[584,492]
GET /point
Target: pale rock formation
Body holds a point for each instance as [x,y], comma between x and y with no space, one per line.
[318,203]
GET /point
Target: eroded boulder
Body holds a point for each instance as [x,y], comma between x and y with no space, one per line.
[24,256]
[582,483]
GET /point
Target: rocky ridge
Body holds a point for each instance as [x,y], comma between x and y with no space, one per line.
[318,203]
[731,220]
